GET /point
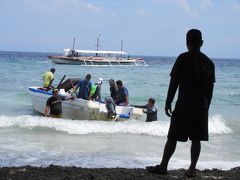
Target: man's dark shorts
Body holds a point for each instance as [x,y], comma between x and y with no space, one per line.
[188,123]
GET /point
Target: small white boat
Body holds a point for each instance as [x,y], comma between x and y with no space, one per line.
[81,109]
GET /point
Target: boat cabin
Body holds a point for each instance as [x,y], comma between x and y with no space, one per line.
[94,53]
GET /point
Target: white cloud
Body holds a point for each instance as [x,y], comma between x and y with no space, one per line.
[114,14]
[184,5]
[206,4]
[92,8]
[234,39]
[58,6]
[191,7]
[141,12]
[237,7]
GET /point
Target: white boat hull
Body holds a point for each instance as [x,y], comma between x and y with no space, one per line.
[82,109]
[97,62]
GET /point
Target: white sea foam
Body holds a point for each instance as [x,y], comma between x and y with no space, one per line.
[217,125]
[103,160]
[160,128]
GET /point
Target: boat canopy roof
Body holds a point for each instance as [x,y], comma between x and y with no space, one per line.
[98,52]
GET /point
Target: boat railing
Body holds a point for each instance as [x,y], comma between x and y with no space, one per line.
[98,61]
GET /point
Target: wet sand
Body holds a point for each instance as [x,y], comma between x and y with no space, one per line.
[58,172]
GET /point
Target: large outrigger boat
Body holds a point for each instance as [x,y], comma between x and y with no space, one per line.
[92,57]
[97,57]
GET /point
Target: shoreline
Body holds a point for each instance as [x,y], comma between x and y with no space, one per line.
[67,172]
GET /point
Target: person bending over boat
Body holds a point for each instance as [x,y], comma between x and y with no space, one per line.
[95,92]
[54,103]
[111,107]
[113,89]
[48,77]
[122,94]
[84,86]
[151,110]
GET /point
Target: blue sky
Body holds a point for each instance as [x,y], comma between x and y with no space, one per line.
[147,27]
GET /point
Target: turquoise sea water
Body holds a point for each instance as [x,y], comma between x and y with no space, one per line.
[28,138]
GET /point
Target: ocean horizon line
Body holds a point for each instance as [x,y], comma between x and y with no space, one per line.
[44,52]
[134,55]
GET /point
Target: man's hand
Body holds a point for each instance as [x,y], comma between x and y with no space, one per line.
[168,110]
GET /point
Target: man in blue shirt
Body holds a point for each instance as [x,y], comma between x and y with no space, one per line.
[122,94]
[84,87]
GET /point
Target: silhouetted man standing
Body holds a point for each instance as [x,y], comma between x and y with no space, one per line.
[193,75]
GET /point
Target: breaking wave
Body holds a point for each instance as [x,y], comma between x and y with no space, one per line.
[159,128]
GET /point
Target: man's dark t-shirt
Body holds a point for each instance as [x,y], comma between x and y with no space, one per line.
[55,104]
[113,91]
[195,75]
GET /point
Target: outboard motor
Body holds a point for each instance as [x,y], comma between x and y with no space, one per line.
[110,106]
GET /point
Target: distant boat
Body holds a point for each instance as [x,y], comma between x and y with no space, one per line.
[97,57]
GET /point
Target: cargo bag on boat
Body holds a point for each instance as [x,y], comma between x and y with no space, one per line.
[69,83]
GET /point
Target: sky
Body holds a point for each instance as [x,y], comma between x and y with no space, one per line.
[147,27]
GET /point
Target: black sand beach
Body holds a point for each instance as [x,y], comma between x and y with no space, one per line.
[58,172]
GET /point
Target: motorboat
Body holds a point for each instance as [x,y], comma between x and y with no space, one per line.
[78,108]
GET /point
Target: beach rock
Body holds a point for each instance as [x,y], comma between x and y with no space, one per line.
[53,172]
